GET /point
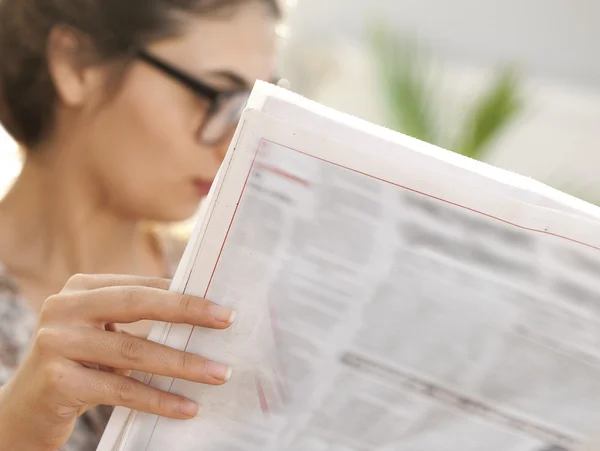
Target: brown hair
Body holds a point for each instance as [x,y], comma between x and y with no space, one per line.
[27,93]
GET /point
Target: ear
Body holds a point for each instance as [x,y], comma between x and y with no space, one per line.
[69,57]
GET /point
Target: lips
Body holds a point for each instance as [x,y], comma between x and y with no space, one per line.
[202,187]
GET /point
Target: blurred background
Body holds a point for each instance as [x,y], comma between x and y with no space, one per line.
[514,82]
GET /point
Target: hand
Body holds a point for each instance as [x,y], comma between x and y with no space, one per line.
[78,359]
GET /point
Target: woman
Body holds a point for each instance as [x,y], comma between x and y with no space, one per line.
[124,109]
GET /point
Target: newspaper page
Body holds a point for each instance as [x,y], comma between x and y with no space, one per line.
[350,130]
[382,308]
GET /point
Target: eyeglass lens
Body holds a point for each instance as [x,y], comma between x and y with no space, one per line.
[220,123]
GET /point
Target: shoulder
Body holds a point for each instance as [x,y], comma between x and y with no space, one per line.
[17,323]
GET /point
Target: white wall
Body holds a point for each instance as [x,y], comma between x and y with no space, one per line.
[557,39]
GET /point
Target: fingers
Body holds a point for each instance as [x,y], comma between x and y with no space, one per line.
[94,387]
[82,282]
[129,304]
[126,352]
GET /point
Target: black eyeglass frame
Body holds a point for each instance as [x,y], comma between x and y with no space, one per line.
[214,96]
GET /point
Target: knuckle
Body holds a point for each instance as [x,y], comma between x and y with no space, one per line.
[62,411]
[186,304]
[51,305]
[132,349]
[162,402]
[188,362]
[76,280]
[131,297]
[125,391]
[46,340]
[56,376]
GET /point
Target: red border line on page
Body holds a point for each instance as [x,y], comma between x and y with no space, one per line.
[545,232]
[211,277]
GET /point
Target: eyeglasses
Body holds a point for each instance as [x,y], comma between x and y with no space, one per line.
[225,107]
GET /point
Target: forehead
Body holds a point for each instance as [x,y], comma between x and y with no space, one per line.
[243,41]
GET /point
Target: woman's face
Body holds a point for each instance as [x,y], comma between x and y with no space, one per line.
[143,146]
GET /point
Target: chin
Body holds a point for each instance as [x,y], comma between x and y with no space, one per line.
[174,213]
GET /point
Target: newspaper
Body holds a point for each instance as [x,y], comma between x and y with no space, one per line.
[389,296]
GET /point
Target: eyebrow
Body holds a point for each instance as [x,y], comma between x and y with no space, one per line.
[186,77]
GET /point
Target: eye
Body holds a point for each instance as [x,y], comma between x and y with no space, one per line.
[201,102]
[223,118]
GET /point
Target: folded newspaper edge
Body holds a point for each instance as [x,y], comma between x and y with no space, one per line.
[288,107]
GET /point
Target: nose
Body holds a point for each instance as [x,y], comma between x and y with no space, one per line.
[212,156]
[221,148]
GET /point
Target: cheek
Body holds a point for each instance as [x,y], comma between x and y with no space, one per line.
[146,156]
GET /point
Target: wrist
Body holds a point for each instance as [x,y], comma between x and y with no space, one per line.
[12,439]
[13,431]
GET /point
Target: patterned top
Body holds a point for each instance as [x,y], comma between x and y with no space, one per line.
[17,326]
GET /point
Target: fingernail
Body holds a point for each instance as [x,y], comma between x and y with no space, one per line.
[222,313]
[218,370]
[189,408]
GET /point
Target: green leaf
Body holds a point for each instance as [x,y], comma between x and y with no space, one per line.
[409,89]
[489,116]
[404,75]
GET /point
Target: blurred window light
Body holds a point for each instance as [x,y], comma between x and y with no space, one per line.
[289,4]
[283,31]
[10,161]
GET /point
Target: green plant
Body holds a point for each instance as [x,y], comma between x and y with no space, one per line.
[409,87]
